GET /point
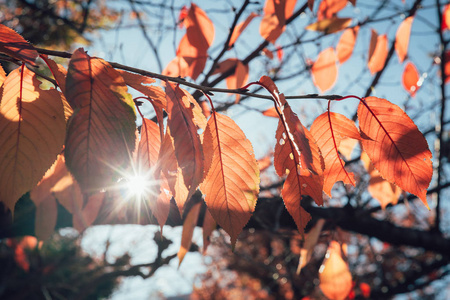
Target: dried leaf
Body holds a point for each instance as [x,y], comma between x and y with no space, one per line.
[410,79]
[329,26]
[378,58]
[324,70]
[334,275]
[231,185]
[188,230]
[240,28]
[32,130]
[14,45]
[402,38]
[328,130]
[101,133]
[387,135]
[346,44]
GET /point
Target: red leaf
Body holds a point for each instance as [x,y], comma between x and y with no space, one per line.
[387,135]
[410,79]
[188,230]
[446,18]
[379,55]
[240,28]
[199,28]
[231,185]
[402,38]
[14,45]
[297,156]
[324,70]
[328,130]
[187,145]
[329,8]
[346,44]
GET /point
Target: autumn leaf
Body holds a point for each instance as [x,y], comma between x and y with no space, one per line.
[329,8]
[402,38]
[199,28]
[231,185]
[297,156]
[209,225]
[311,240]
[14,45]
[143,84]
[446,18]
[32,131]
[240,76]
[85,217]
[2,75]
[187,144]
[379,55]
[324,70]
[387,135]
[178,67]
[344,48]
[346,147]
[271,112]
[274,20]
[410,79]
[188,230]
[328,130]
[101,133]
[240,28]
[334,275]
[328,26]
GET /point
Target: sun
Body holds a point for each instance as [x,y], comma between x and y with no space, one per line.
[139,186]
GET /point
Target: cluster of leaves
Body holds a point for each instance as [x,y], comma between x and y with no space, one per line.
[100,140]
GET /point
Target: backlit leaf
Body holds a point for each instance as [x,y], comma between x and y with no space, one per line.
[329,26]
[378,58]
[14,45]
[240,28]
[101,133]
[329,8]
[240,76]
[271,112]
[346,147]
[446,18]
[142,84]
[188,230]
[311,240]
[32,131]
[410,79]
[209,225]
[402,38]
[231,185]
[297,156]
[274,20]
[387,135]
[192,59]
[187,144]
[324,70]
[328,130]
[346,44]
[2,75]
[334,275]
[199,28]
[85,217]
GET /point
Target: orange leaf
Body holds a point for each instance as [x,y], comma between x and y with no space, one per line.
[275,15]
[192,59]
[271,112]
[58,71]
[209,225]
[329,129]
[231,185]
[446,18]
[2,75]
[410,79]
[187,145]
[324,70]
[161,207]
[178,67]
[387,135]
[83,218]
[101,133]
[310,242]
[346,147]
[188,230]
[329,26]
[373,42]
[240,76]
[402,38]
[240,28]
[280,53]
[142,84]
[329,8]
[334,275]
[199,28]
[297,156]
[346,44]
[378,58]
[14,45]
[32,130]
